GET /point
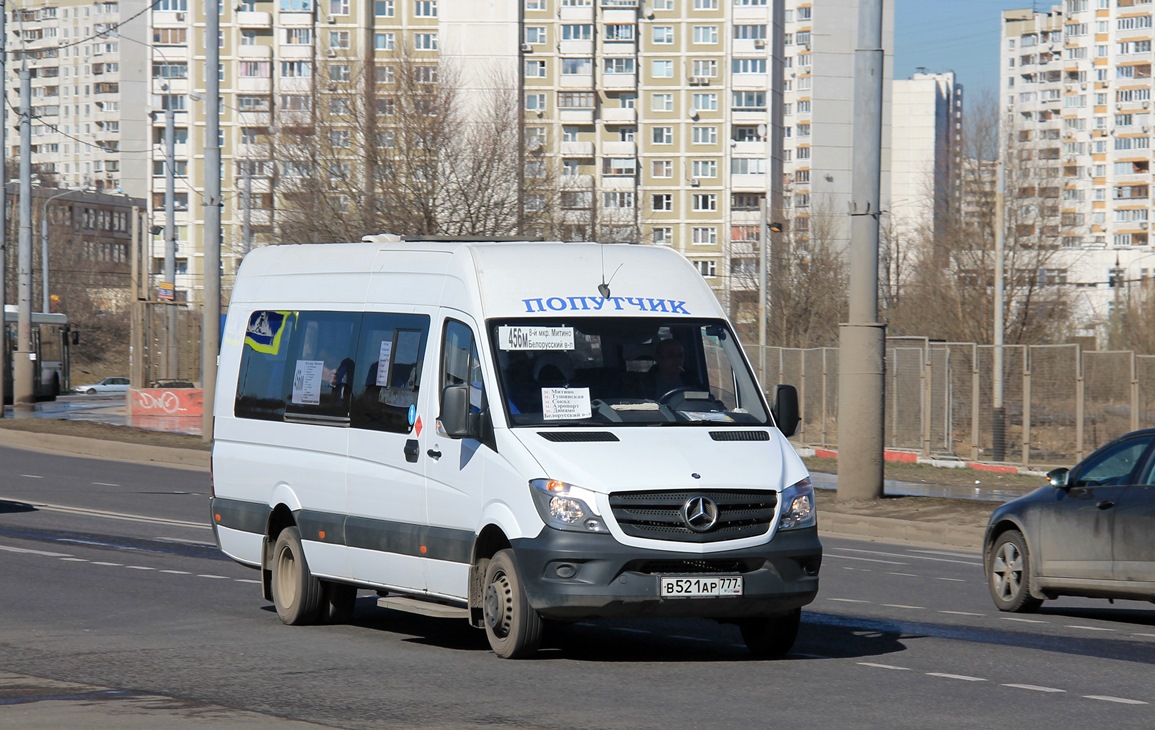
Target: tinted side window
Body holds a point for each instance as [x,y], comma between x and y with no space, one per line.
[323,365]
[390,352]
[261,388]
[1114,466]
[460,362]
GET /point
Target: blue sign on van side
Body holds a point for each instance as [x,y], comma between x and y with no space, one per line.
[594,304]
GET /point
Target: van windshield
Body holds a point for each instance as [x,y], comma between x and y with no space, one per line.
[624,371]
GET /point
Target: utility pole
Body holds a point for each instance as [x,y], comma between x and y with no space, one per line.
[23,386]
[211,326]
[3,201]
[862,340]
[170,338]
[247,220]
[998,410]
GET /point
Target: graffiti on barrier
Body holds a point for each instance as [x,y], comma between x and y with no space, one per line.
[167,402]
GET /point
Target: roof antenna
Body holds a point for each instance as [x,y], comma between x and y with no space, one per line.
[604,287]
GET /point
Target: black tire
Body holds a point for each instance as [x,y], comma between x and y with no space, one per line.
[340,599]
[90,391]
[1009,574]
[771,636]
[297,595]
[513,628]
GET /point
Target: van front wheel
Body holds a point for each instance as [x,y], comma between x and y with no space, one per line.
[511,625]
[773,635]
[297,594]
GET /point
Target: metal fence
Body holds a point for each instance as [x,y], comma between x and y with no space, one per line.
[1060,402]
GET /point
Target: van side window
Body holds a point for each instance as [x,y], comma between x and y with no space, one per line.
[261,388]
[322,365]
[460,362]
[390,353]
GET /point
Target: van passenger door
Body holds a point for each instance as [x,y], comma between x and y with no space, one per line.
[455,468]
[386,481]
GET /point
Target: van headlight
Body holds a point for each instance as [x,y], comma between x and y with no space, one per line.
[565,507]
[798,506]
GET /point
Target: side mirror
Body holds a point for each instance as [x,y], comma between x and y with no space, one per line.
[1058,477]
[785,409]
[456,419]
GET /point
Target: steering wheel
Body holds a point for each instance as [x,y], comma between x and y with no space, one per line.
[669,395]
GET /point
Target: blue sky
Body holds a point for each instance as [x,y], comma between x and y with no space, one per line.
[953,35]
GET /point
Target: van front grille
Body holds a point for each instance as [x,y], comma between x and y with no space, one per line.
[660,515]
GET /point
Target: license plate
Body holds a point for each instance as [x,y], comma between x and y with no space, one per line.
[713,586]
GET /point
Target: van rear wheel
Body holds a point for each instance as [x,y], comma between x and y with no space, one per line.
[512,626]
[297,595]
[771,635]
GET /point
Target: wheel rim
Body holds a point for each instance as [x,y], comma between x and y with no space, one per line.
[499,605]
[1007,571]
[286,568]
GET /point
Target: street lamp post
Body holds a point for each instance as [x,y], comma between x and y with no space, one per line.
[44,299]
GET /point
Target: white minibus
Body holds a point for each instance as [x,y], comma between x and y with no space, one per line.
[515,433]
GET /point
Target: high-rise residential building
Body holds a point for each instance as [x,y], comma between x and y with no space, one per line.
[926,155]
[1076,133]
[661,118]
[88,65]
[819,89]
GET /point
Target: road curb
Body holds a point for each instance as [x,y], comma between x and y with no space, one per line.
[102,449]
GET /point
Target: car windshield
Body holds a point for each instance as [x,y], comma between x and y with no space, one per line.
[624,371]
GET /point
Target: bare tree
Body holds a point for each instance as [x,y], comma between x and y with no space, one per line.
[399,147]
[950,293]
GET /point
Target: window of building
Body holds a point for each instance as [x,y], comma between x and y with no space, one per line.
[663,35]
[662,69]
[705,202]
[662,168]
[663,135]
[662,202]
[662,102]
[704,135]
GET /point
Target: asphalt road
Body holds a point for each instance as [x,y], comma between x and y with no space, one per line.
[117,612]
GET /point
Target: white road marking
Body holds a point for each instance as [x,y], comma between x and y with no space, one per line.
[952,580]
[247,580]
[848,600]
[32,476]
[1022,620]
[963,677]
[868,560]
[118,515]
[946,553]
[963,613]
[139,567]
[899,605]
[1035,688]
[904,575]
[104,484]
[884,666]
[905,555]
[1089,628]
[26,551]
[176,572]
[1119,700]
[75,560]
[1147,635]
[221,577]
[111,565]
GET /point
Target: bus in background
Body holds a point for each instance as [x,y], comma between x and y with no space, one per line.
[52,340]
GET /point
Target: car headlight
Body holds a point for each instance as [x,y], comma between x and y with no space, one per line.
[798,506]
[565,507]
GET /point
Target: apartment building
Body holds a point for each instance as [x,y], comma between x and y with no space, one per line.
[926,155]
[88,66]
[661,118]
[819,88]
[1077,135]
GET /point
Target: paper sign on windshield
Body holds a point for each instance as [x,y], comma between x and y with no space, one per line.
[534,338]
[383,363]
[562,403]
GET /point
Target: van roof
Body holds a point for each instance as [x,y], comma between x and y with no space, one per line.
[490,278]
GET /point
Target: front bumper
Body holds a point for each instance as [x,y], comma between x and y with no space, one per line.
[613,580]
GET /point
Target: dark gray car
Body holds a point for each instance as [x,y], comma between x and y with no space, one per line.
[1090,532]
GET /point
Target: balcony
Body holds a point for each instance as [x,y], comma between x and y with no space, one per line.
[253,19]
[296,52]
[577,149]
[620,149]
[619,82]
[619,115]
[248,53]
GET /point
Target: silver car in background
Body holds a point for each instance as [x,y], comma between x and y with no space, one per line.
[107,385]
